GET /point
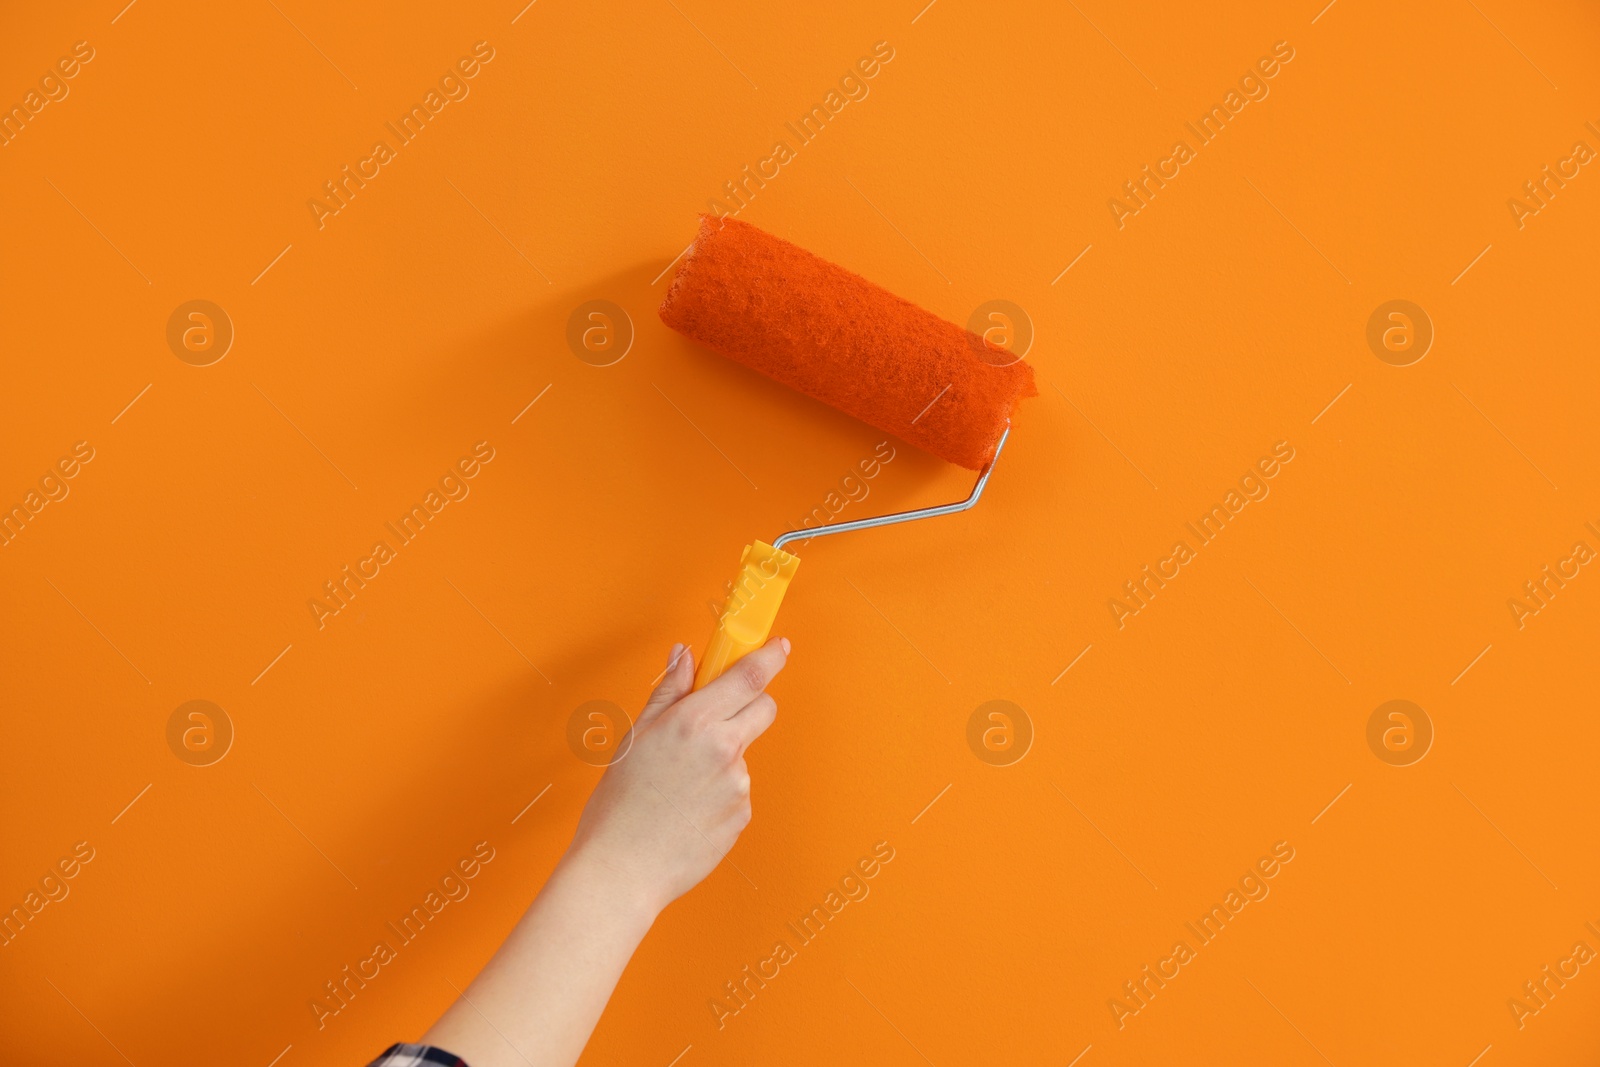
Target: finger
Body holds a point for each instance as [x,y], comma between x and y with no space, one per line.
[743,681]
[676,680]
[754,719]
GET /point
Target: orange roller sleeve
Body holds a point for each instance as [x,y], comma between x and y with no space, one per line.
[834,336]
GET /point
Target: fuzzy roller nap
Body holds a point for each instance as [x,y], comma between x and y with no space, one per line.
[838,338]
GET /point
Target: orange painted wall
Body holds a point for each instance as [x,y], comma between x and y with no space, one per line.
[1171,748]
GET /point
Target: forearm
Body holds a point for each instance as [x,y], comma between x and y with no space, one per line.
[539,997]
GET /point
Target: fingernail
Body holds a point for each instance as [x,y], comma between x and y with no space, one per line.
[672,657]
[784,641]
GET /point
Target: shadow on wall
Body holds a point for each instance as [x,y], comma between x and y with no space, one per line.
[625,492]
[503,744]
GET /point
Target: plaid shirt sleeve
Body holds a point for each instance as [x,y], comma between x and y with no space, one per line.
[401,1055]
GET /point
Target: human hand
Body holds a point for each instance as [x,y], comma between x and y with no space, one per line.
[662,817]
[671,807]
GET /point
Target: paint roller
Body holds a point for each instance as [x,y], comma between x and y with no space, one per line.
[836,337]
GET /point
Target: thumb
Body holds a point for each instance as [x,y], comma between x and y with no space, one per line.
[676,681]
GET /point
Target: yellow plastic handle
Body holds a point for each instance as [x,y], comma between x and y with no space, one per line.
[746,620]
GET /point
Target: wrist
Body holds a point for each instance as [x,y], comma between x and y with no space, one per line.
[611,886]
